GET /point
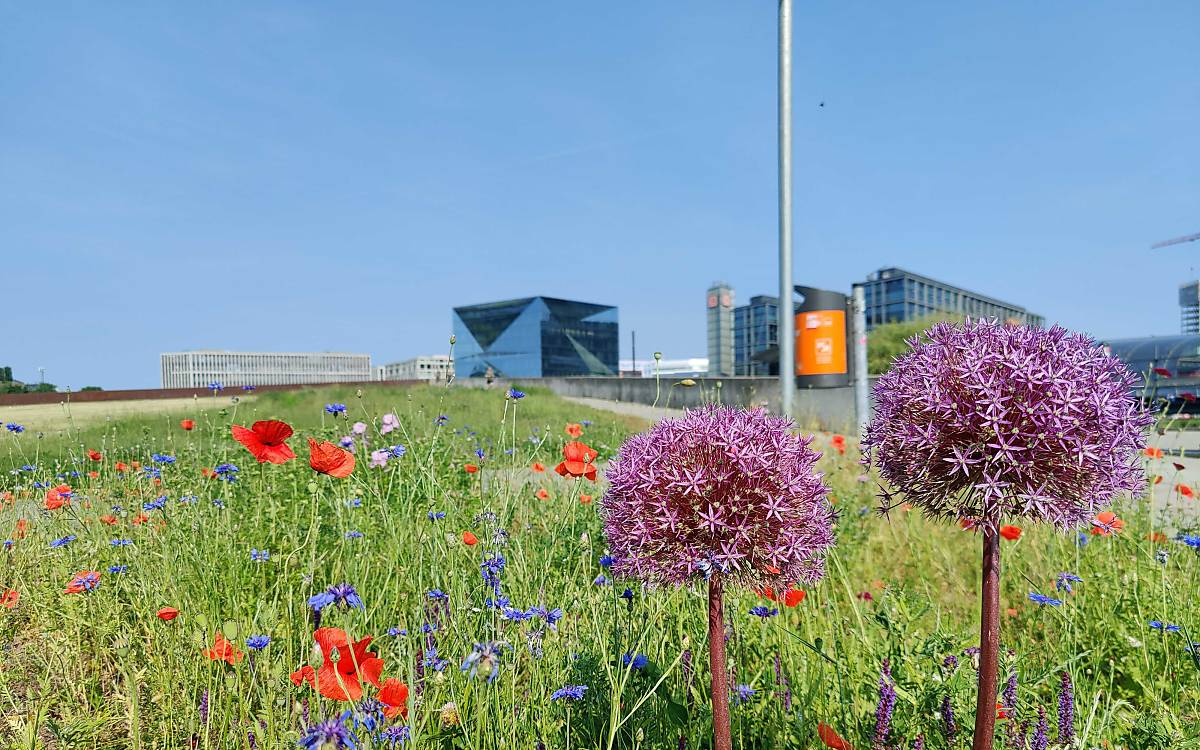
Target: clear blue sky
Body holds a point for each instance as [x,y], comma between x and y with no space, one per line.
[336,176]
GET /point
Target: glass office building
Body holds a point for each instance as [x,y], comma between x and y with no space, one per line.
[719,305]
[755,330]
[1189,307]
[535,337]
[893,295]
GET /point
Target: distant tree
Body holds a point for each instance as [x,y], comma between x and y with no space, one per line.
[886,342]
[91,388]
[41,388]
[5,374]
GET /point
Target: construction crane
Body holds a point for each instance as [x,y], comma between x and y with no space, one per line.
[1176,241]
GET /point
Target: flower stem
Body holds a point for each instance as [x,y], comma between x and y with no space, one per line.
[716,664]
[989,641]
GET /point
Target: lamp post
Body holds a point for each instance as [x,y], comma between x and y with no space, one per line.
[787,316]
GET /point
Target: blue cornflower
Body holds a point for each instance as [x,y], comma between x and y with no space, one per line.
[354,535]
[429,627]
[247,388]
[1081,540]
[259,555]
[484,658]
[162,458]
[219,503]
[8,544]
[14,428]
[514,614]
[397,631]
[600,580]
[436,515]
[63,542]
[434,662]
[117,509]
[1044,600]
[335,408]
[763,612]
[1064,581]
[585,422]
[216,386]
[257,642]
[398,451]
[121,542]
[118,568]
[332,734]
[157,503]
[40,485]
[186,499]
[742,694]
[606,561]
[637,661]
[226,472]
[515,395]
[1191,540]
[151,472]
[437,595]
[570,692]
[1165,627]
[346,597]
[551,616]
[28,467]
[320,601]
[397,734]
[347,442]
[354,502]
[479,452]
[627,594]
[441,420]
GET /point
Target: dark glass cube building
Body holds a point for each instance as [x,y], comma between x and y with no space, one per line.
[535,337]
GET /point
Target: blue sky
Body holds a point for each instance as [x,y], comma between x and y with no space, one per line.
[319,176]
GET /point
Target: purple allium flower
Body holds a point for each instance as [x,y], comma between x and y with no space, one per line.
[883,710]
[983,419]
[1066,710]
[723,488]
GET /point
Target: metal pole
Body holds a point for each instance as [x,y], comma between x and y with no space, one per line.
[861,404]
[787,316]
[633,354]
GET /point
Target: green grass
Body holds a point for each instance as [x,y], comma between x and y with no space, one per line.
[100,670]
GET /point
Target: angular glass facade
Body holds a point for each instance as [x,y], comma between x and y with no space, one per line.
[755,330]
[893,295]
[535,337]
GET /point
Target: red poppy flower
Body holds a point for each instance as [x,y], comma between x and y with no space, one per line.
[1157,536]
[9,599]
[95,455]
[1182,489]
[1154,452]
[1011,533]
[109,520]
[223,650]
[166,614]
[1106,523]
[1178,467]
[136,465]
[394,695]
[187,424]
[1158,479]
[793,597]
[541,494]
[585,499]
[140,519]
[93,474]
[57,497]
[84,580]
[266,440]
[327,458]
[22,526]
[539,468]
[470,468]
[341,680]
[968,524]
[469,539]
[121,467]
[1188,396]
[831,739]
[574,429]
[578,461]
[766,592]
[839,443]
[1164,372]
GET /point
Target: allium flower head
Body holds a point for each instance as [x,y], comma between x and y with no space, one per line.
[1024,421]
[718,489]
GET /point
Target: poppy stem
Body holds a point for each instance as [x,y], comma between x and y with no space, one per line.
[716,663]
[989,641]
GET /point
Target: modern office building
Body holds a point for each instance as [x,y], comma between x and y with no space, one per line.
[1167,366]
[755,330]
[200,368]
[535,337]
[1189,307]
[894,295]
[720,329]
[436,368]
[692,367]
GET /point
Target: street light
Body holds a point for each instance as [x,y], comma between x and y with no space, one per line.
[787,316]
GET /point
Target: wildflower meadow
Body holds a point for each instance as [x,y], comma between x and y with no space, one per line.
[478,568]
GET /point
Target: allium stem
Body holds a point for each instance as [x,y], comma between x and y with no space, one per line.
[722,739]
[989,640]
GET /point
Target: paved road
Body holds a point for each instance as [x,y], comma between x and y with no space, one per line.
[653,413]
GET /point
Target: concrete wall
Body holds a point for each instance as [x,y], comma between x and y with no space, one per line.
[822,408]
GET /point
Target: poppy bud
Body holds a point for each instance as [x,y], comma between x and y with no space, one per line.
[166,614]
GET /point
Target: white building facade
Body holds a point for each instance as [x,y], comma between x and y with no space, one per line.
[436,368]
[200,368]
